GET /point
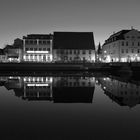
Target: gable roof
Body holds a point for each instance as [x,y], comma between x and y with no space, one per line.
[116,36]
[73,40]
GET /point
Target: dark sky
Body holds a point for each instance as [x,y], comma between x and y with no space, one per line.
[22,17]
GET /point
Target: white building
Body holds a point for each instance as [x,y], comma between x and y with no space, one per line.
[74,47]
[123,46]
[37,47]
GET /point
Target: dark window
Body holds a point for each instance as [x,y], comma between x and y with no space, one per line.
[122,43]
[40,42]
[40,49]
[84,52]
[26,42]
[138,43]
[132,43]
[44,42]
[48,42]
[132,50]
[44,49]
[126,43]
[138,50]
[74,51]
[26,49]
[35,49]
[126,50]
[48,49]
[89,51]
[122,50]
[70,51]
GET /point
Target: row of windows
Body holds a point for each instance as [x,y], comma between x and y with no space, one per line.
[115,38]
[37,49]
[133,43]
[73,51]
[133,37]
[40,42]
[132,51]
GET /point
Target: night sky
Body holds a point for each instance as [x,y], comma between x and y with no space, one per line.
[103,17]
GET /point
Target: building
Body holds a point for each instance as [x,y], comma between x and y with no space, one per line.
[37,47]
[3,57]
[123,46]
[13,53]
[73,47]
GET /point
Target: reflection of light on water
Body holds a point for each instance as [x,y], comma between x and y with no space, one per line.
[38,85]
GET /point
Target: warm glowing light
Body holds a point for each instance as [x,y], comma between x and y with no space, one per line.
[37,51]
[37,85]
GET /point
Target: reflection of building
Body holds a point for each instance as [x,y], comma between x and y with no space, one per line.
[58,89]
[73,89]
[123,46]
[74,47]
[38,48]
[122,92]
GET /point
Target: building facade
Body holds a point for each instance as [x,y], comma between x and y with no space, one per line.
[37,48]
[73,47]
[123,46]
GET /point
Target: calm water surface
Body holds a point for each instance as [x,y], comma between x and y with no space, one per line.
[71,107]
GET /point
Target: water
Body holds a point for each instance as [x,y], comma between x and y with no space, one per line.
[69,107]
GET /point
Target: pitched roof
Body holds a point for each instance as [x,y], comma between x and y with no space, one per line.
[116,36]
[73,40]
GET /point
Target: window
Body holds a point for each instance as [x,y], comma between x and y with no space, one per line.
[31,42]
[138,43]
[122,50]
[89,51]
[43,42]
[132,43]
[122,43]
[70,51]
[40,42]
[44,49]
[138,51]
[35,49]
[26,42]
[48,42]
[126,43]
[126,50]
[48,49]
[26,49]
[74,51]
[84,52]
[40,49]
[132,50]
